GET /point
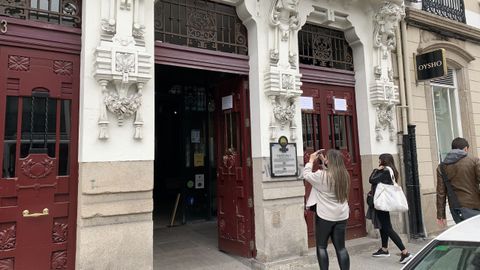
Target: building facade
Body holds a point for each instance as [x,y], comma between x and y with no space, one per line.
[209,108]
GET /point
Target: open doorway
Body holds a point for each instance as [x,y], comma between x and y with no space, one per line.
[185,153]
[202,164]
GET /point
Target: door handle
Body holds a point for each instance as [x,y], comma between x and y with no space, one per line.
[26,213]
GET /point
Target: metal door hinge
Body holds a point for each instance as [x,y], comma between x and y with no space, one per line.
[247,122]
[252,245]
[249,162]
[250,202]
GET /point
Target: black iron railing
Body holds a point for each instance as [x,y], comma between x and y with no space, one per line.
[451,9]
[63,12]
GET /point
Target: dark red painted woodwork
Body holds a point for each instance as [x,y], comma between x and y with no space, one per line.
[41,36]
[234,175]
[182,56]
[314,74]
[47,241]
[323,115]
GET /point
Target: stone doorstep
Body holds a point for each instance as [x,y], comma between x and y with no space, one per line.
[309,261]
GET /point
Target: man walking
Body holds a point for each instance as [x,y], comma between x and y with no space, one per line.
[463,172]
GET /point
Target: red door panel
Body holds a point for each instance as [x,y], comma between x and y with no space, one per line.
[323,127]
[235,203]
[38,182]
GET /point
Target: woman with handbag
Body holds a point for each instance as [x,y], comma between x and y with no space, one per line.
[386,173]
[330,190]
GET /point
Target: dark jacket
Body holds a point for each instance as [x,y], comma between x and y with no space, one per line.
[377,176]
[463,172]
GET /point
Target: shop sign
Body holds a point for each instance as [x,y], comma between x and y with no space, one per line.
[283,158]
[430,65]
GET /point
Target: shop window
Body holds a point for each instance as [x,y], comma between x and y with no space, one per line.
[446,112]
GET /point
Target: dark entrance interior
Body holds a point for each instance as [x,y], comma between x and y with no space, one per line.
[185,154]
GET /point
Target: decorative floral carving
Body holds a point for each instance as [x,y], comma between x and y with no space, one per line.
[123,107]
[37,168]
[7,264]
[284,18]
[62,67]
[138,30]
[229,159]
[126,4]
[59,260]
[288,82]
[18,63]
[8,238]
[284,114]
[384,121]
[124,62]
[59,233]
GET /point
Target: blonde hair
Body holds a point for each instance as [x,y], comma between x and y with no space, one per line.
[339,174]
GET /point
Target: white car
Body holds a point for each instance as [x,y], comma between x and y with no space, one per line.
[456,248]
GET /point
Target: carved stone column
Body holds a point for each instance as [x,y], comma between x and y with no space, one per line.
[282,78]
[383,92]
[122,65]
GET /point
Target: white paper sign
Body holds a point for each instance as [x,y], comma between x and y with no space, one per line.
[195,136]
[340,104]
[306,103]
[227,102]
[199,181]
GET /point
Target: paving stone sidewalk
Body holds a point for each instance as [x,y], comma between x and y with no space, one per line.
[194,247]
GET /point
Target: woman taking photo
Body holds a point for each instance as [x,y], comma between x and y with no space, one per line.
[386,173]
[329,195]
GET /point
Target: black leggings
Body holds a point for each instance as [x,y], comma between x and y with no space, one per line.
[325,229]
[387,231]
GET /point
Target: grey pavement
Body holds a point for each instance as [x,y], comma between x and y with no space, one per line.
[194,247]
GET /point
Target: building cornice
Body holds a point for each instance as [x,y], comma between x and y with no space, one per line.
[446,27]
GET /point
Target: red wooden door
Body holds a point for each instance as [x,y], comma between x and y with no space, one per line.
[38,184]
[325,127]
[234,176]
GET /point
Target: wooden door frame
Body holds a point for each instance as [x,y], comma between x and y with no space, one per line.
[194,58]
[49,38]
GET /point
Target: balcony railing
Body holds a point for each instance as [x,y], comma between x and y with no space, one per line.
[451,9]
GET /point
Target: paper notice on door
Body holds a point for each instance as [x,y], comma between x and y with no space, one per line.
[227,102]
[340,104]
[306,103]
[198,160]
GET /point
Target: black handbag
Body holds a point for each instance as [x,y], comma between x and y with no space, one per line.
[370,199]
[459,213]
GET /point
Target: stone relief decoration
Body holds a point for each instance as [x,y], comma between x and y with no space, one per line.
[383,92]
[63,67]
[282,79]
[122,67]
[8,238]
[59,232]
[284,19]
[59,260]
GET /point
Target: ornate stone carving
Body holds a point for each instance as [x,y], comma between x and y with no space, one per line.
[284,18]
[284,112]
[122,67]
[59,260]
[59,233]
[383,91]
[8,238]
[18,63]
[37,166]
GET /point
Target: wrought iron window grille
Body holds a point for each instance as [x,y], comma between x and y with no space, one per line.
[62,12]
[324,47]
[200,24]
[450,9]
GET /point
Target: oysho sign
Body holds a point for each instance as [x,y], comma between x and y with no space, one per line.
[430,65]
